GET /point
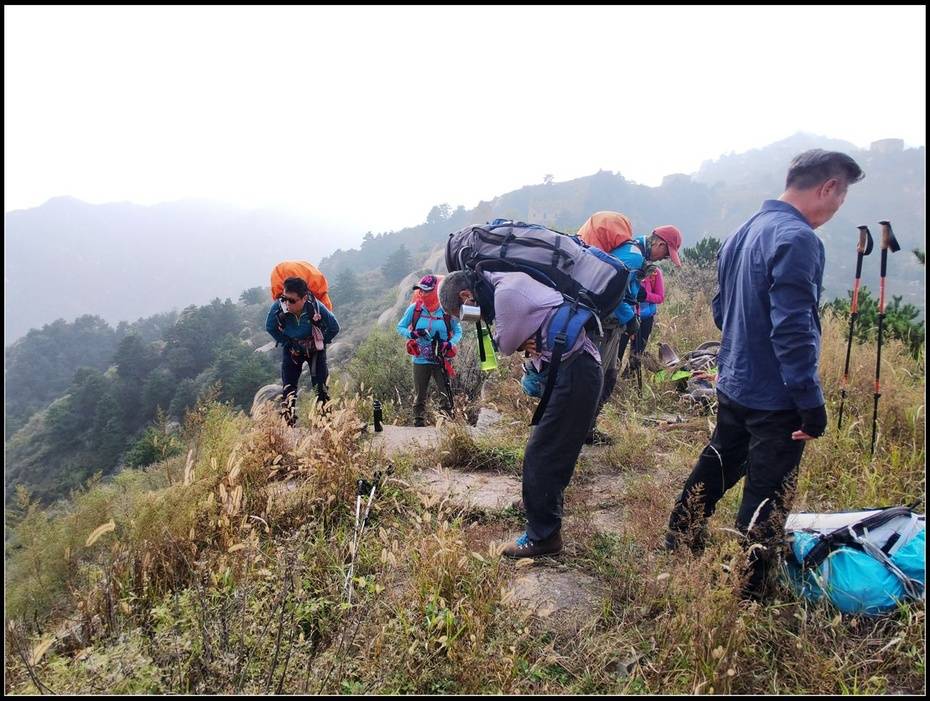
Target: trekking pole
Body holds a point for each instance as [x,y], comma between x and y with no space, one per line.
[863,249]
[888,241]
[359,492]
[447,381]
[635,354]
[363,486]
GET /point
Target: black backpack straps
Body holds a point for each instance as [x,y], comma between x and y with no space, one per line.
[418,312]
[557,350]
[846,536]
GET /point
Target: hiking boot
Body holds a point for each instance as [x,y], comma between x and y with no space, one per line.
[695,542]
[419,423]
[524,547]
[598,438]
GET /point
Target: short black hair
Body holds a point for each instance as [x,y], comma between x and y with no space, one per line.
[816,166]
[449,290]
[296,285]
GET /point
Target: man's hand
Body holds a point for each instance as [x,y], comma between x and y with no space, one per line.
[813,424]
[528,346]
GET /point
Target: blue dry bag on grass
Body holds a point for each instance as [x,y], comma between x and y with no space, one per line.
[864,562]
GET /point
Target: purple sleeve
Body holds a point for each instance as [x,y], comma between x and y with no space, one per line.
[516,319]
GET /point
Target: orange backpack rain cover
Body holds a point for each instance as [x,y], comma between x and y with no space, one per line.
[316,281]
[606,230]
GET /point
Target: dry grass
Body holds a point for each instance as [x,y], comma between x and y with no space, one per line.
[229,582]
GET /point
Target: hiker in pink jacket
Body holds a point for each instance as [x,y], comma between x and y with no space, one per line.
[654,287]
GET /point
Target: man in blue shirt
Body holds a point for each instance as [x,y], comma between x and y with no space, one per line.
[769,399]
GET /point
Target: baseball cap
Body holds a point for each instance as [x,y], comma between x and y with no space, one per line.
[427,283]
[672,236]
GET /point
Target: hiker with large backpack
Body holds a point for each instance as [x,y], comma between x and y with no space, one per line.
[319,288]
[432,336]
[612,232]
[607,231]
[544,292]
[304,326]
[524,313]
[769,399]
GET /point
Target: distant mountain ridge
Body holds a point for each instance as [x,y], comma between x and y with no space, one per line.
[714,201]
[124,261]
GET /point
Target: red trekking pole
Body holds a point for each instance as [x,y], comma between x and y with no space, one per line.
[863,249]
[888,241]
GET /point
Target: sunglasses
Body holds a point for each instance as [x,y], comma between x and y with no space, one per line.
[288,300]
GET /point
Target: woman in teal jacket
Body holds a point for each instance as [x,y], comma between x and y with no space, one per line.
[431,339]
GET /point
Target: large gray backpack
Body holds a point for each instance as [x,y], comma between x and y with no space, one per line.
[584,275]
[592,283]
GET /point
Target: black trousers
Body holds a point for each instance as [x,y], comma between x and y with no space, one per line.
[639,343]
[642,338]
[291,369]
[555,442]
[757,444]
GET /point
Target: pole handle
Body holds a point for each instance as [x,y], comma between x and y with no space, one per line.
[865,241]
[888,237]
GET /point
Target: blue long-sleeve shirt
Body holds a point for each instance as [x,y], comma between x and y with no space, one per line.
[770,276]
[630,254]
[299,327]
[434,326]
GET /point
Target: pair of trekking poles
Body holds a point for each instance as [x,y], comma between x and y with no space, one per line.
[363,488]
[863,249]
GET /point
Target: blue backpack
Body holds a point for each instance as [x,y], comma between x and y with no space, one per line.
[864,562]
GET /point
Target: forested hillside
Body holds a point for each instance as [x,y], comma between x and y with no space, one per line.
[712,202]
[85,398]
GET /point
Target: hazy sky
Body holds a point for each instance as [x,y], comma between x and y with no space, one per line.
[369,116]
